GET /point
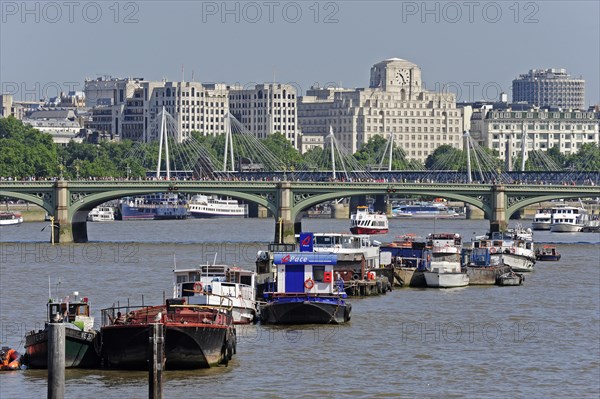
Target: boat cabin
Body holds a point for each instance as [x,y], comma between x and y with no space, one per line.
[71,310]
[305,273]
[213,279]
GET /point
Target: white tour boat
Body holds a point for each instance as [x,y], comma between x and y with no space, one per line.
[568,219]
[542,219]
[219,285]
[366,222]
[203,206]
[102,214]
[10,218]
[445,269]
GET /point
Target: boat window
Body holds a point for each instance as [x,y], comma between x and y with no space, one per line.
[246,280]
[318,273]
[323,240]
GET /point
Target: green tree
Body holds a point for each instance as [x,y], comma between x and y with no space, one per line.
[587,158]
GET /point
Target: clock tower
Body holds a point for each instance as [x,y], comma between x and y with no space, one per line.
[396,75]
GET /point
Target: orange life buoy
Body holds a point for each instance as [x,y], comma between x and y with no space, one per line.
[428,258]
[309,283]
[197,286]
[493,250]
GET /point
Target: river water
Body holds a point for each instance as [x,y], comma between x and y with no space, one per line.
[541,339]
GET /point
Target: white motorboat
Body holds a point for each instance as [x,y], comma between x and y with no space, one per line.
[445,269]
[568,219]
[514,248]
[219,285]
[542,219]
[102,214]
[202,206]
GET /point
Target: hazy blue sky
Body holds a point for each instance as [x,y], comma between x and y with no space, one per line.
[469,44]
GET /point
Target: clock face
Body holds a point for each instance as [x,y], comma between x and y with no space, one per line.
[401,77]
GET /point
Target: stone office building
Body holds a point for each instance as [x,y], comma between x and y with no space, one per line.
[395,103]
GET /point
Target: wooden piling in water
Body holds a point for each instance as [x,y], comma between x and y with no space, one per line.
[56,360]
[156,357]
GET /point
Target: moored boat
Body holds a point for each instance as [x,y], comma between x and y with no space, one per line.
[514,248]
[195,336]
[445,270]
[203,206]
[10,218]
[482,269]
[424,210]
[81,340]
[365,222]
[568,219]
[510,278]
[547,253]
[10,359]
[219,285]
[152,207]
[542,219]
[305,291]
[101,214]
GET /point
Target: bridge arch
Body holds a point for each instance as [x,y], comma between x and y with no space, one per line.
[512,209]
[306,203]
[47,205]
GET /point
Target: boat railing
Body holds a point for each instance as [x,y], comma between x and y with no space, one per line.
[172,312]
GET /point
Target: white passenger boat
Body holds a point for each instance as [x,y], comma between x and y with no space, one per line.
[542,219]
[365,222]
[102,214]
[219,285]
[10,218]
[445,269]
[568,219]
[203,206]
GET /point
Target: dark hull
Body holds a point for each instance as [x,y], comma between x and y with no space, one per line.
[547,258]
[367,230]
[80,349]
[187,346]
[305,312]
[479,275]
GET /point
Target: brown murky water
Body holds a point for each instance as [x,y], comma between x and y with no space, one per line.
[538,340]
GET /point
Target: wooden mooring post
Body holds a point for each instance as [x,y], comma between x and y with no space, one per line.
[156,358]
[56,360]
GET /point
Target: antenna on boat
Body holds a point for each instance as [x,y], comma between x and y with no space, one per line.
[174,262]
[215,259]
[49,290]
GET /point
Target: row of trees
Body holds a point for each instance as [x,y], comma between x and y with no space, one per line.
[25,152]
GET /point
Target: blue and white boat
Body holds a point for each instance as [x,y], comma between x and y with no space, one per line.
[154,206]
[305,291]
[424,210]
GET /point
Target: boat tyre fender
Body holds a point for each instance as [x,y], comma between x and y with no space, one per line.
[493,250]
[507,251]
[198,286]
[309,283]
[355,276]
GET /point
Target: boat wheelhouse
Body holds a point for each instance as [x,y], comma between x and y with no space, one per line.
[81,340]
[305,291]
[365,222]
[219,285]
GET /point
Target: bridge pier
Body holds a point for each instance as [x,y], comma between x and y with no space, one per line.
[284,224]
[498,216]
[380,204]
[69,230]
[357,200]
